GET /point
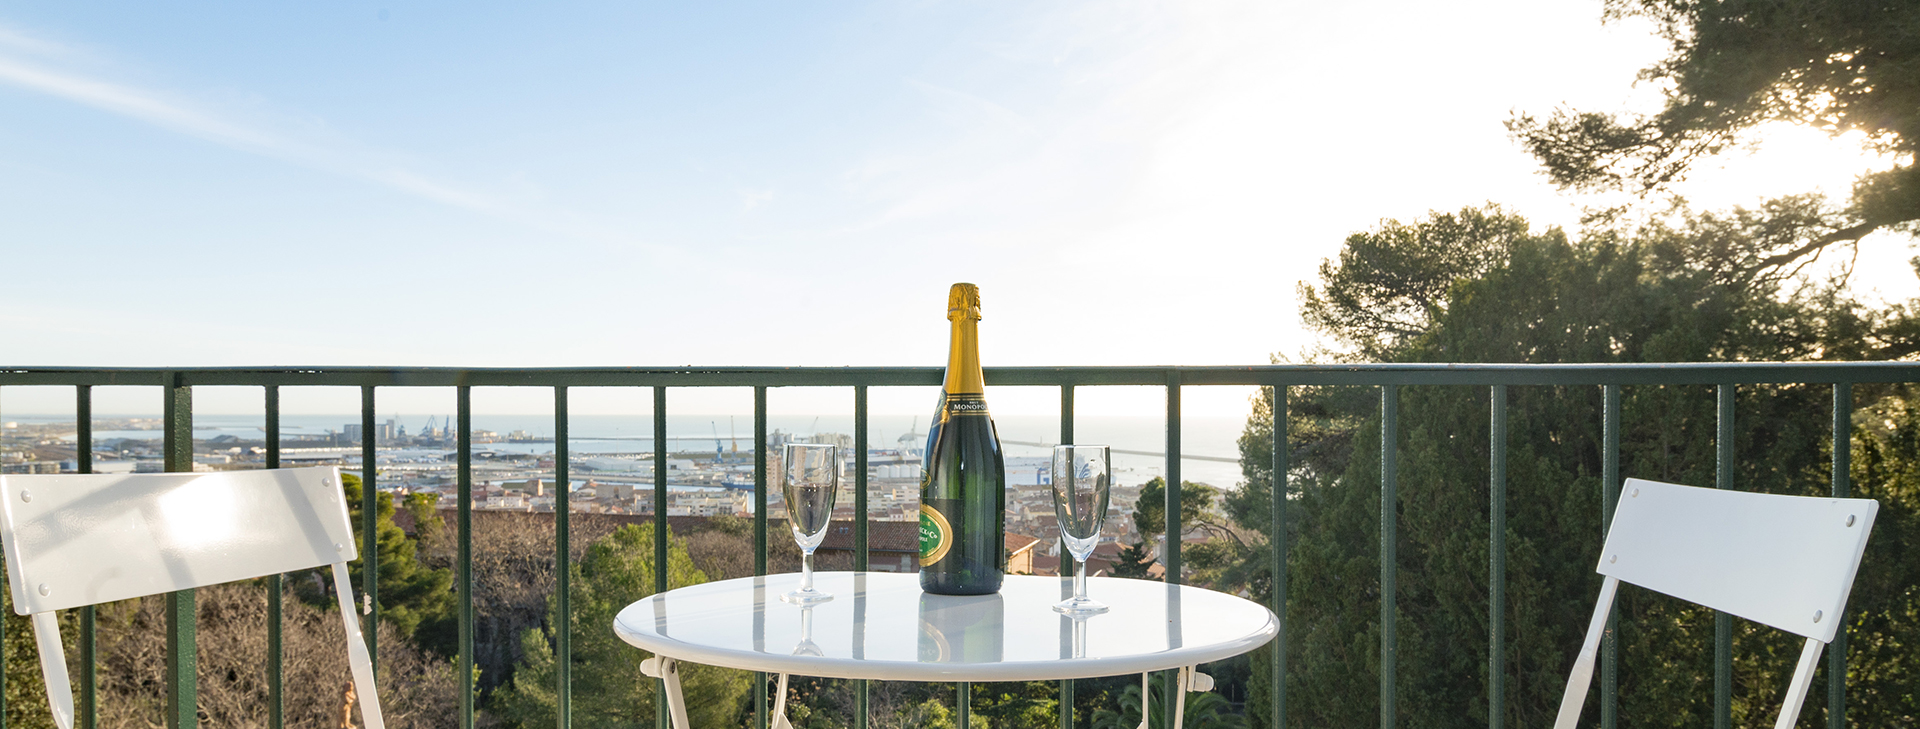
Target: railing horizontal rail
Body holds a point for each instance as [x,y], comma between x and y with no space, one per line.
[1690,373]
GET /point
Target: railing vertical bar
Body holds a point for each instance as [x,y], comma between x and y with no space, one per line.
[464,529]
[1842,488]
[862,690]
[562,563]
[660,479]
[1170,554]
[1066,559]
[182,661]
[276,590]
[89,653]
[860,536]
[369,528]
[1389,558]
[1497,563]
[1609,501]
[660,717]
[760,486]
[1722,622]
[1171,551]
[1278,538]
[83,427]
[963,704]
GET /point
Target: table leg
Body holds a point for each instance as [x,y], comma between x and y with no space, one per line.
[780,706]
[1189,678]
[668,670]
[1183,676]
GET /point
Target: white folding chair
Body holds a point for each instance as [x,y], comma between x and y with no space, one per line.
[1785,561]
[75,540]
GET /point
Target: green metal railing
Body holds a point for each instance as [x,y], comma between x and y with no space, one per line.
[178,387]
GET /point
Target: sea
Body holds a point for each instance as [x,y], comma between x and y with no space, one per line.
[1209,444]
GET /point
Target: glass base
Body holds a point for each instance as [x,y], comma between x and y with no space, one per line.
[1080,606]
[808,596]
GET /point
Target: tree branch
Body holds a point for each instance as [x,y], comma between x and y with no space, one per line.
[1851,233]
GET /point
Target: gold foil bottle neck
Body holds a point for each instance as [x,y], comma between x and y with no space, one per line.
[963,356]
[963,302]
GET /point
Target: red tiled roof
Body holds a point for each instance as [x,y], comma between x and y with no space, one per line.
[1018,542]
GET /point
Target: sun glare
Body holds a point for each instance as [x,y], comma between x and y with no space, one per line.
[1784,159]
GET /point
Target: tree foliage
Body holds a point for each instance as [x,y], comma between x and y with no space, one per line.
[26,692]
[1732,65]
[1150,510]
[1133,561]
[1205,710]
[1883,682]
[1216,561]
[417,599]
[417,689]
[608,688]
[1388,284]
[1688,289]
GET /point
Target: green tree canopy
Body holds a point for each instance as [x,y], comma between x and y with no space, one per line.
[608,688]
[1684,290]
[1388,285]
[1150,510]
[1837,65]
[415,598]
[1134,561]
[1206,710]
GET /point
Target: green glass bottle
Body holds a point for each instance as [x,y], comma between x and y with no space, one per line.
[963,494]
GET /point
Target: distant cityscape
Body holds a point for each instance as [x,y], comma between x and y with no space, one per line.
[511,473]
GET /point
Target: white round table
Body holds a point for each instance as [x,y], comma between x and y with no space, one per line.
[880,625]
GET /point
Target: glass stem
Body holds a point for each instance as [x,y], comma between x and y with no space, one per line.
[806,571]
[1079,580]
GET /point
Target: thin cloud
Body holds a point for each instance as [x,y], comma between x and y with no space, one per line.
[130,102]
[38,46]
[183,117]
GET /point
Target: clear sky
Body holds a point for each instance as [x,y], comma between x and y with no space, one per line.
[771,183]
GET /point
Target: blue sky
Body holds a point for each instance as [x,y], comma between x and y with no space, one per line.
[228,183]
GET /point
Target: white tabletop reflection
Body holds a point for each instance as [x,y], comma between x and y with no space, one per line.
[882,626]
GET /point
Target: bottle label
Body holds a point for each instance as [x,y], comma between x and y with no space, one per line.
[936,535]
[965,404]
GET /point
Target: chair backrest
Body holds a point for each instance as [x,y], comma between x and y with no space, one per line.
[74,540]
[1786,561]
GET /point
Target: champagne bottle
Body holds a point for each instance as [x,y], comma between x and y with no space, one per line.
[963,495]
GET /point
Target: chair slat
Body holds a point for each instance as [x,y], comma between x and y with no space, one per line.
[1785,561]
[74,540]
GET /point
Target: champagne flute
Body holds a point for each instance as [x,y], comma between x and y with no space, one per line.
[1081,478]
[810,479]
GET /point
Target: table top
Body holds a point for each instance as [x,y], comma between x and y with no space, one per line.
[880,625]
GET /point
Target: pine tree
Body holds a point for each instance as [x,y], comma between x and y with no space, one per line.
[1689,290]
[615,571]
[415,598]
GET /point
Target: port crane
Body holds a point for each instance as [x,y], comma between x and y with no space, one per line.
[908,439]
[719,452]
